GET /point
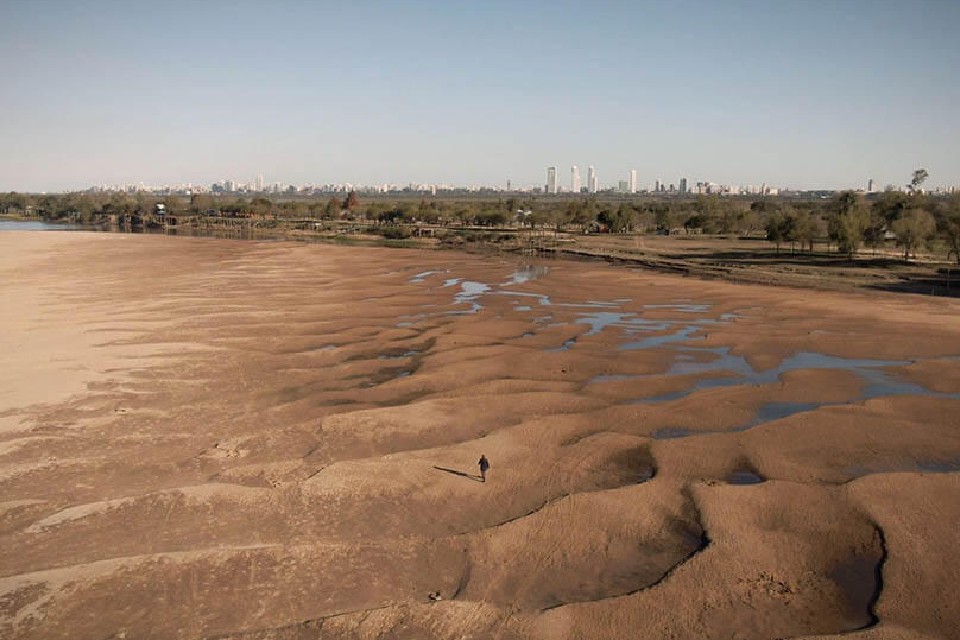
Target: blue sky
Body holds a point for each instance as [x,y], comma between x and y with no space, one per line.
[804,93]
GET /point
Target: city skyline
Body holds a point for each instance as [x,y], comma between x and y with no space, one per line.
[683,186]
[814,95]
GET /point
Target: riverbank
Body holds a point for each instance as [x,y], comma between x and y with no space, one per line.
[277,439]
[733,259]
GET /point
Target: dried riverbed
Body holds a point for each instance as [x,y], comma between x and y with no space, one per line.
[206,438]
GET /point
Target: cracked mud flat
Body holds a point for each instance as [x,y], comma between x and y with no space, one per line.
[205,438]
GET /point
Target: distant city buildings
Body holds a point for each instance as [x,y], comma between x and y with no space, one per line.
[682,188]
[551,179]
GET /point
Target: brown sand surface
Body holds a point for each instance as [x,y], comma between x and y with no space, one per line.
[253,440]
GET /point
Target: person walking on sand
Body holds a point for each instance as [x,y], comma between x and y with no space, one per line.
[484,465]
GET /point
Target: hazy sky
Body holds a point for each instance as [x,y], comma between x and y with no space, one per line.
[803,93]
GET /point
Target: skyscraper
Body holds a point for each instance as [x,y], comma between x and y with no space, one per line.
[260,182]
[633,180]
[592,183]
[658,187]
[551,179]
[683,185]
[575,179]
[870,185]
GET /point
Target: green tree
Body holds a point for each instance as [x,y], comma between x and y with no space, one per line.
[779,228]
[201,203]
[13,202]
[914,228]
[764,206]
[805,228]
[747,222]
[333,208]
[890,205]
[917,180]
[582,212]
[950,227]
[352,201]
[492,217]
[262,206]
[620,220]
[848,221]
[408,211]
[537,218]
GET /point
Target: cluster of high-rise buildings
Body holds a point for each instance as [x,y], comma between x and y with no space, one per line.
[576,183]
[623,186]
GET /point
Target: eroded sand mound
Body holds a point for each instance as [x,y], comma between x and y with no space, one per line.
[204,438]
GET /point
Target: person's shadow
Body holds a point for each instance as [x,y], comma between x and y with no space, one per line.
[462,474]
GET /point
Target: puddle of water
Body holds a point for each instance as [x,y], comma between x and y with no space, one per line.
[778,410]
[602,319]
[921,466]
[566,346]
[326,347]
[474,308]
[449,282]
[590,304]
[673,432]
[470,289]
[723,361]
[420,277]
[683,335]
[682,308]
[744,477]
[402,356]
[526,274]
[629,322]
[38,225]
[469,292]
[879,383]
[542,299]
[665,397]
[931,466]
[811,360]
[612,377]
[523,307]
[411,319]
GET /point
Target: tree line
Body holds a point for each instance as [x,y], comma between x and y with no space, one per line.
[847,222]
